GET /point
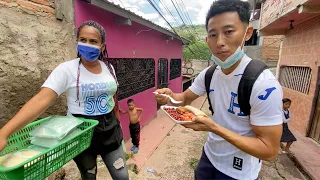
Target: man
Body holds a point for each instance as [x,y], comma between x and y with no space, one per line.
[237,142]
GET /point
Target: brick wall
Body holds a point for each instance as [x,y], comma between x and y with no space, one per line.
[31,6]
[32,43]
[273,10]
[271,48]
[301,47]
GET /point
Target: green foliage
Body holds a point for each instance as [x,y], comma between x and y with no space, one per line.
[193,163]
[198,48]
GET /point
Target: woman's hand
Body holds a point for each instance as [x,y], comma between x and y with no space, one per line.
[3,142]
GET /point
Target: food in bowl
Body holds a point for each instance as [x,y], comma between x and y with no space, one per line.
[180,113]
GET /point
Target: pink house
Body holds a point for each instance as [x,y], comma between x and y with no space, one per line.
[145,55]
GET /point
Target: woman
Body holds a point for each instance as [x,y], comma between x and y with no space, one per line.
[90,84]
[287,135]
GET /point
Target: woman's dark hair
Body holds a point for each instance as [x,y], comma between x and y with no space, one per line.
[103,55]
[222,6]
[284,100]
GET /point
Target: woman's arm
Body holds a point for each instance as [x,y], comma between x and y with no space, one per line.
[28,113]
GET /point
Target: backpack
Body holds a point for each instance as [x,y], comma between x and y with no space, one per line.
[250,75]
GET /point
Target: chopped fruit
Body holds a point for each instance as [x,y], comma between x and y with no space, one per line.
[180,113]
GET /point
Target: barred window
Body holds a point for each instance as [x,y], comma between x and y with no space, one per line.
[296,78]
[162,73]
[134,75]
[175,68]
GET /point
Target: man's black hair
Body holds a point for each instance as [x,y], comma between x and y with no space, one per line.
[284,100]
[222,6]
[130,101]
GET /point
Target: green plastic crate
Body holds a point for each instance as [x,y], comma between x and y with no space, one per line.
[44,164]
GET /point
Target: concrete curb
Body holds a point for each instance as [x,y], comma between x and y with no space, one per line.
[299,165]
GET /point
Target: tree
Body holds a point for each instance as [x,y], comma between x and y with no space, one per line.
[199,49]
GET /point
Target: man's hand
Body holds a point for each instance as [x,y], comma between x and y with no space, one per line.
[161,99]
[201,123]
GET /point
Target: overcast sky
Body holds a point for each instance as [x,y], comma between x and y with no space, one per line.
[196,9]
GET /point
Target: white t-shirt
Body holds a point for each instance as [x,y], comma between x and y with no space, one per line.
[286,120]
[266,110]
[95,90]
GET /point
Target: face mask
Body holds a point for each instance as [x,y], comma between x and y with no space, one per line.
[88,52]
[231,60]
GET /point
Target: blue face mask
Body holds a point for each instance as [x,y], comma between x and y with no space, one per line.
[88,52]
[231,60]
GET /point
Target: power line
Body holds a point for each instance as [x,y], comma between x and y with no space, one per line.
[186,26]
[186,11]
[188,17]
[168,10]
[178,12]
[166,21]
[183,21]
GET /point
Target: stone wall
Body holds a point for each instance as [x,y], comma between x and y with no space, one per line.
[32,43]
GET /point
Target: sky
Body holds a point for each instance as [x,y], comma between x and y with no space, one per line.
[196,10]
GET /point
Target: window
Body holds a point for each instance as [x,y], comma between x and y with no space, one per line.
[134,75]
[162,73]
[175,68]
[296,78]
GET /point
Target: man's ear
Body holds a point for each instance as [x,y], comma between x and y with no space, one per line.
[248,33]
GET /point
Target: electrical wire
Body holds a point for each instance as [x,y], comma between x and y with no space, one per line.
[151,3]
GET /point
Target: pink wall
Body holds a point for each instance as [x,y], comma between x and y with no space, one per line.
[125,41]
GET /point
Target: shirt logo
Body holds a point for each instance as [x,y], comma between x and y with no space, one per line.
[237,163]
[269,91]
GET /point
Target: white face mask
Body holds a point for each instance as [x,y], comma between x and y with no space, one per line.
[231,60]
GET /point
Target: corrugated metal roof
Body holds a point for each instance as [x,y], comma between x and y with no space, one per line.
[119,5]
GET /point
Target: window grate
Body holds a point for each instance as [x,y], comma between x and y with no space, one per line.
[134,75]
[175,68]
[296,78]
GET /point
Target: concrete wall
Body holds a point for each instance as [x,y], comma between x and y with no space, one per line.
[198,65]
[302,48]
[32,43]
[254,24]
[124,41]
[253,51]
